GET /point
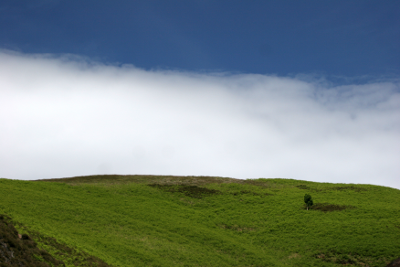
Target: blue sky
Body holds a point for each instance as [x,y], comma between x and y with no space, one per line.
[246,89]
[334,38]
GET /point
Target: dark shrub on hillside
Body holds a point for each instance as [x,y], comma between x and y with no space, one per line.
[308,200]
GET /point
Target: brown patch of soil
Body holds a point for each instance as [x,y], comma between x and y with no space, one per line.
[238,228]
[246,192]
[325,207]
[352,187]
[189,190]
[351,259]
[394,263]
[302,186]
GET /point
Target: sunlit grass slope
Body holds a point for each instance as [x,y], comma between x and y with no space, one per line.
[208,221]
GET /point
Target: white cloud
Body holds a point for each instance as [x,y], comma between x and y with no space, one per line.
[63,117]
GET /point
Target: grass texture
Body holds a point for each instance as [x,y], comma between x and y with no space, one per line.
[138,220]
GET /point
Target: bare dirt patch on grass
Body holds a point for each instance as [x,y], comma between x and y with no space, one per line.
[352,187]
[238,228]
[351,259]
[394,263]
[303,186]
[247,192]
[188,190]
[326,207]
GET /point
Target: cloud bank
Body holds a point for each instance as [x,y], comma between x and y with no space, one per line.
[64,116]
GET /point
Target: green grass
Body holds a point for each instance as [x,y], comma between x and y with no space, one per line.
[209,221]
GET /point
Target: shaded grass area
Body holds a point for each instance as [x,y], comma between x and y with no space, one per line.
[37,250]
[21,250]
[69,256]
[210,221]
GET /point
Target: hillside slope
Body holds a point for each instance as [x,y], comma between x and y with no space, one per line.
[209,221]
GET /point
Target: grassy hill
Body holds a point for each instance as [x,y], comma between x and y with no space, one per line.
[205,221]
